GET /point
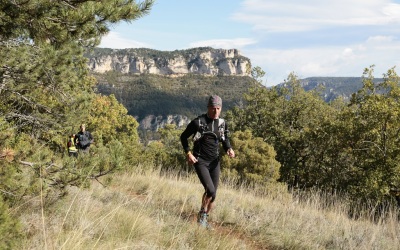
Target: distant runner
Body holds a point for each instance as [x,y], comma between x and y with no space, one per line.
[83,139]
[72,150]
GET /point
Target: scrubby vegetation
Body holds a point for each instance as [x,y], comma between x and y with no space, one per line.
[349,147]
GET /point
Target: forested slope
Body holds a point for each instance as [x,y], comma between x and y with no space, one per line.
[159,95]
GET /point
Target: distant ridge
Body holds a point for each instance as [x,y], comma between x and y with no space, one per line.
[203,61]
[334,87]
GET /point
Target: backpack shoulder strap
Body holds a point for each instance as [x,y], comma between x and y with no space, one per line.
[202,121]
[221,129]
[221,122]
[202,127]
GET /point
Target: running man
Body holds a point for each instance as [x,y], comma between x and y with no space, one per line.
[207,131]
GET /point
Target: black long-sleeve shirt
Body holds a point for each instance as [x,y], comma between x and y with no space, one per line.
[207,147]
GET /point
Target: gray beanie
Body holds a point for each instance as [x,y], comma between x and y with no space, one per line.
[214,101]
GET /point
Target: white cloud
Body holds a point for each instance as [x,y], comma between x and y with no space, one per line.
[294,16]
[348,52]
[236,43]
[391,10]
[116,41]
[339,61]
[380,39]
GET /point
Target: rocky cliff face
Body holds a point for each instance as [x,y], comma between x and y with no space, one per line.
[152,122]
[205,61]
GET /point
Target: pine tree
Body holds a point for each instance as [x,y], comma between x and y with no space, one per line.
[42,68]
[45,88]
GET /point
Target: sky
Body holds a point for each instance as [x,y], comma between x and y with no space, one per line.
[333,38]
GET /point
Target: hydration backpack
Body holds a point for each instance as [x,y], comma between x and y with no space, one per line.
[84,139]
[203,129]
[70,142]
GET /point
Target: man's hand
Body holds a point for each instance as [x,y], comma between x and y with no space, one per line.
[231,153]
[191,159]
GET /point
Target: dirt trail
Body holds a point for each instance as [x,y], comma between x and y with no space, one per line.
[218,228]
[227,230]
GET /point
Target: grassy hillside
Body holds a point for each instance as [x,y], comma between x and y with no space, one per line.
[155,211]
[157,95]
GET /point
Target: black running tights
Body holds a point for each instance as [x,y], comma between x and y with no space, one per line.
[208,173]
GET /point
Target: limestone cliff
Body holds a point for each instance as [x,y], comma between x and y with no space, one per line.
[204,61]
[152,122]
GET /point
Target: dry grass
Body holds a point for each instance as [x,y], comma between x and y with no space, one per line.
[149,211]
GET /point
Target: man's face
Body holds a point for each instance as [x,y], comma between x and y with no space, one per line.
[214,111]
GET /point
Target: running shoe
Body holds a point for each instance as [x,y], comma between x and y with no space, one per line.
[202,219]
